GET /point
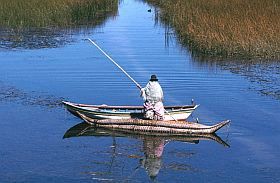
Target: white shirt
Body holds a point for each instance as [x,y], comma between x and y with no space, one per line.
[152,92]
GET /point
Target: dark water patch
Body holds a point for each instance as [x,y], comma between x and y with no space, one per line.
[181,154]
[10,94]
[181,167]
[43,100]
[13,94]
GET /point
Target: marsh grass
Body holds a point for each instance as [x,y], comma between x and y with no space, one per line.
[54,13]
[221,28]
[36,24]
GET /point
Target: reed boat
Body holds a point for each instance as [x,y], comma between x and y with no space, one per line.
[131,118]
[84,129]
[126,112]
[170,127]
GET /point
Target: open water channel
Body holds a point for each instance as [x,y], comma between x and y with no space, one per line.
[41,142]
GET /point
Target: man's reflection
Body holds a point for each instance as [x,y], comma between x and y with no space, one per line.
[153,149]
[152,144]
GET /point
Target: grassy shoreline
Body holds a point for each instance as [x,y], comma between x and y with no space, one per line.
[236,29]
[36,24]
[54,13]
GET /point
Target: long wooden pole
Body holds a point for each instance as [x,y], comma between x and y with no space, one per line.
[138,85]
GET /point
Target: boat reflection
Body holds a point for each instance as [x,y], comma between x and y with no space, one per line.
[84,129]
[153,143]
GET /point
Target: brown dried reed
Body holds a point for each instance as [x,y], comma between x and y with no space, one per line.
[221,28]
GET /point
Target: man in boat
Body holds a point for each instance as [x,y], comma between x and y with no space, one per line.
[153,96]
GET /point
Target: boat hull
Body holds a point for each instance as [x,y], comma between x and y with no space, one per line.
[127,112]
[171,127]
[84,129]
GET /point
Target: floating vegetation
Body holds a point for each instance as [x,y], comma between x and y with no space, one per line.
[264,75]
[225,29]
[12,94]
[33,38]
[181,167]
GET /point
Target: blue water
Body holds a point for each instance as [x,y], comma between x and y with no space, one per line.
[34,81]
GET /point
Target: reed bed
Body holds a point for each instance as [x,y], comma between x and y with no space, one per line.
[222,28]
[54,13]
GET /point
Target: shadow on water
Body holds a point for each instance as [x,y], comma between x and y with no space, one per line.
[153,145]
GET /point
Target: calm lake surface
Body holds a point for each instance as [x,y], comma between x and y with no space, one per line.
[41,142]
